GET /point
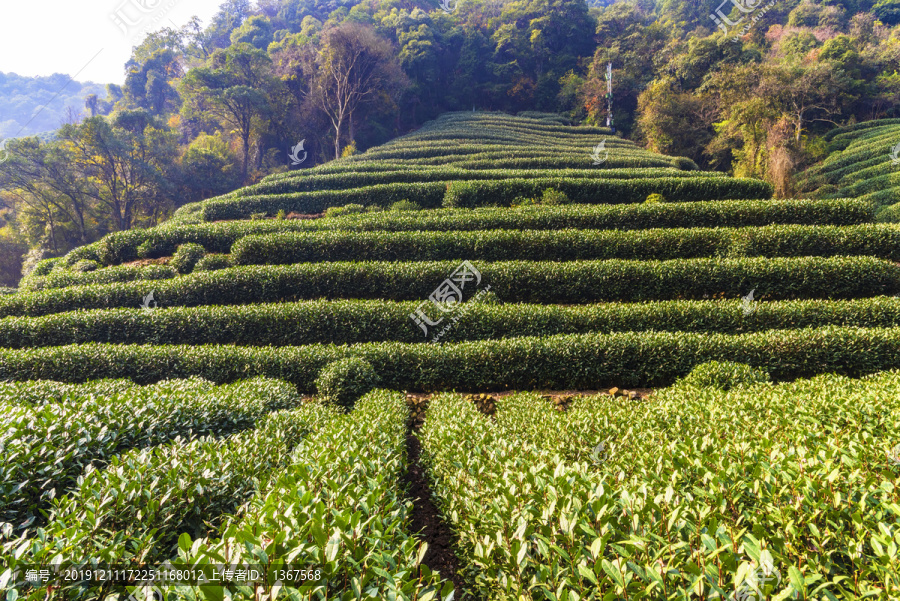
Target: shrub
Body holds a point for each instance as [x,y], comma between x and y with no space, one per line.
[655,198]
[186,257]
[405,205]
[890,214]
[119,273]
[213,262]
[724,375]
[572,282]
[374,209]
[85,265]
[344,382]
[470,194]
[349,209]
[259,215]
[554,197]
[281,214]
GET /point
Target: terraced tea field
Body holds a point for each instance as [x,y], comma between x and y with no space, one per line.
[240,387]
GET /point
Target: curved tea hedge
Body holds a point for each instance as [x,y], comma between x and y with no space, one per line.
[471,194]
[351,322]
[569,245]
[121,247]
[575,282]
[566,362]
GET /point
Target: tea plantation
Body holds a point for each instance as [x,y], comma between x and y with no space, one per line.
[246,384]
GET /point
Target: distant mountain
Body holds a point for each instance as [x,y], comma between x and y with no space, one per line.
[23,98]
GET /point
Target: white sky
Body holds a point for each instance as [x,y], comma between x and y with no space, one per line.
[42,37]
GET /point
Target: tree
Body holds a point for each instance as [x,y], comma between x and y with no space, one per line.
[234,88]
[124,164]
[355,68]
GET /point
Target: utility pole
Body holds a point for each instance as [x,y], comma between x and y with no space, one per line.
[609,98]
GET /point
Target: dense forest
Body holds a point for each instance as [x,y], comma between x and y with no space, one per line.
[743,86]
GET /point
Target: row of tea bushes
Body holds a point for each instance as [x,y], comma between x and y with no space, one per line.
[47,447]
[881,241]
[353,179]
[545,282]
[351,322]
[135,510]
[668,492]
[338,506]
[471,194]
[121,247]
[564,362]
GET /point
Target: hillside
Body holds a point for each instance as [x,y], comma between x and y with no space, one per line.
[35,105]
[535,267]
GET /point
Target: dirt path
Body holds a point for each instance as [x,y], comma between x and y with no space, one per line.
[427,521]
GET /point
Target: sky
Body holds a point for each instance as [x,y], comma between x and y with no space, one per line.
[89,40]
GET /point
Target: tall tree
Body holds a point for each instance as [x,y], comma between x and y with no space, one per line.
[355,68]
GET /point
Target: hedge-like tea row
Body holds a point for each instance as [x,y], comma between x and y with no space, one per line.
[471,194]
[121,247]
[352,179]
[109,275]
[570,245]
[568,362]
[339,507]
[351,322]
[135,511]
[545,282]
[46,448]
[428,195]
[44,392]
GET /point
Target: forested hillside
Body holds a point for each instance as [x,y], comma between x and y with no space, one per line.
[34,105]
[744,87]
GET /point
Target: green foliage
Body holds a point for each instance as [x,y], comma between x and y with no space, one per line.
[338,504]
[471,194]
[353,321]
[343,382]
[213,262]
[724,375]
[48,446]
[604,471]
[567,282]
[186,257]
[122,247]
[552,197]
[349,209]
[565,362]
[197,484]
[405,205]
[889,214]
[62,278]
[570,245]
[85,265]
[655,198]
